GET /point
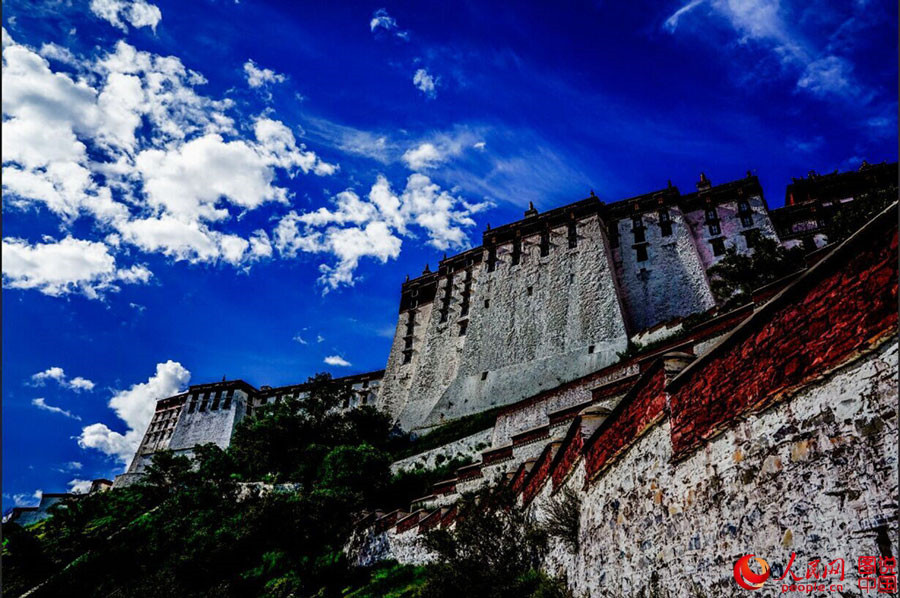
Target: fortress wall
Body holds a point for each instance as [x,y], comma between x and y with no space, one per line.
[536,410]
[672,281]
[732,229]
[569,324]
[399,377]
[209,426]
[815,476]
[684,478]
[838,308]
[470,446]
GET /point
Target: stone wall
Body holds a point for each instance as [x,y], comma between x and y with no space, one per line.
[780,440]
[732,230]
[532,325]
[470,446]
[816,476]
[671,282]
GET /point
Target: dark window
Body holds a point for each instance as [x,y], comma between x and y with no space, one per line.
[637,222]
[746,220]
[487,303]
[464,307]
[545,243]
[743,207]
[573,235]
[192,406]
[641,253]
[407,356]
[665,229]
[229,396]
[612,231]
[718,246]
[204,401]
[492,259]
[484,375]
[639,235]
[591,349]
[714,228]
[664,216]
[530,291]
[571,279]
[516,252]
[408,342]
[711,215]
[462,327]
[215,404]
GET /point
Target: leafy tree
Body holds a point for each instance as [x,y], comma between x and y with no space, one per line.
[736,276]
[851,216]
[493,552]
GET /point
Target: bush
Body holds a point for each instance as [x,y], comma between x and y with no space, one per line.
[564,518]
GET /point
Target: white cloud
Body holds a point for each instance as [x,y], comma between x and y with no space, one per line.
[337,360]
[423,156]
[79,383]
[41,404]
[51,373]
[59,375]
[59,53]
[138,13]
[77,486]
[828,75]
[166,164]
[320,339]
[70,466]
[257,77]
[300,339]
[426,83]
[382,21]
[439,148]
[372,226]
[71,265]
[22,499]
[135,407]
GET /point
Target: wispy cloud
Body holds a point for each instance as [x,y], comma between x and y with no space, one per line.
[41,404]
[768,24]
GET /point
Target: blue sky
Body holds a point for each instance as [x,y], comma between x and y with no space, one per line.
[199,189]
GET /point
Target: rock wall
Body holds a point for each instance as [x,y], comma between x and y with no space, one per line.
[671,282]
[470,446]
[816,476]
[532,325]
[780,441]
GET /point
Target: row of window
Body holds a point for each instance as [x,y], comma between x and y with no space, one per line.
[516,257]
[204,401]
[157,436]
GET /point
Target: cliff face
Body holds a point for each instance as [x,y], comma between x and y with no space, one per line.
[779,440]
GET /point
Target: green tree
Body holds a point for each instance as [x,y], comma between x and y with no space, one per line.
[734,278]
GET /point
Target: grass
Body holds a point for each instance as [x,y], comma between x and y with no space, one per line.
[390,580]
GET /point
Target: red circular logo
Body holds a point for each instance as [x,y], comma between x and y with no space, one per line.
[745,576]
